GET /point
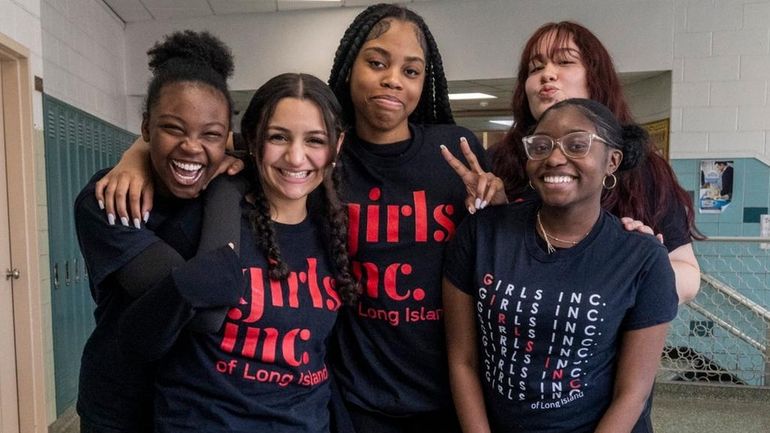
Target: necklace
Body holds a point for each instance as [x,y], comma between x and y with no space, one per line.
[549,247]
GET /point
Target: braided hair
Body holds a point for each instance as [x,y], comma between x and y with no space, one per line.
[433,107]
[254,128]
[188,56]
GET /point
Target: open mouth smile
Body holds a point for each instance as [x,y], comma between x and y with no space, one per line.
[186,173]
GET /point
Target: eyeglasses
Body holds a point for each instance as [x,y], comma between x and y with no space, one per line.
[574,145]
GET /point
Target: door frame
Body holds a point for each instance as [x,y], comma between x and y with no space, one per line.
[24,234]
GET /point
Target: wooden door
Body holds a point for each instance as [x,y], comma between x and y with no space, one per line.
[9,404]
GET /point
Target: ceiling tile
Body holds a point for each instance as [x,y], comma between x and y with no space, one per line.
[291,5]
[175,4]
[129,11]
[222,7]
[355,3]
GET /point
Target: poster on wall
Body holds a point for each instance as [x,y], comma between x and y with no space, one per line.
[716,186]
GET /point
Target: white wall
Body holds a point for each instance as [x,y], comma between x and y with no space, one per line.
[720,79]
[650,98]
[83,55]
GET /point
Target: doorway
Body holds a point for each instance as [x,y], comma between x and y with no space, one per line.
[22,372]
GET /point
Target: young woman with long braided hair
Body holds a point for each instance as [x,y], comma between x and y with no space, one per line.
[404,203]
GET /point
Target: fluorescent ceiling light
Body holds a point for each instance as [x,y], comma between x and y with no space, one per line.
[502,122]
[466,96]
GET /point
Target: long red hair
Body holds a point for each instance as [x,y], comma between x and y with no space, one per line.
[644,193]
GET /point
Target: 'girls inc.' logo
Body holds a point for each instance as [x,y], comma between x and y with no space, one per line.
[302,289]
[410,223]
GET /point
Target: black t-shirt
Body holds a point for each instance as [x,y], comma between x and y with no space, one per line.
[265,369]
[549,325]
[113,391]
[404,203]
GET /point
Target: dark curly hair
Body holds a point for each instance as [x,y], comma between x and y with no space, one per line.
[433,107]
[197,57]
[254,126]
[645,193]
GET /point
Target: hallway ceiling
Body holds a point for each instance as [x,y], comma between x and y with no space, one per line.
[133,11]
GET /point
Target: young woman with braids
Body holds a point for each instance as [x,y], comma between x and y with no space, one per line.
[265,368]
[186,122]
[565,60]
[404,203]
[555,314]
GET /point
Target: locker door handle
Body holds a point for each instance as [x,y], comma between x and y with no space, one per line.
[67,273]
[55,275]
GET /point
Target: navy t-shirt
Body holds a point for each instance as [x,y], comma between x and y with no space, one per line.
[265,369]
[404,204]
[113,391]
[549,325]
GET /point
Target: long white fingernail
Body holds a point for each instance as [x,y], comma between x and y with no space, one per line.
[471,210]
[111,219]
[442,147]
[484,204]
[101,204]
[463,139]
[146,216]
[124,221]
[137,224]
[477,203]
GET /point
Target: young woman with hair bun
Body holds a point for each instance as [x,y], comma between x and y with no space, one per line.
[556,315]
[186,122]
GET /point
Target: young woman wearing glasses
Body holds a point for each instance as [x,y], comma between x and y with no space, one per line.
[555,314]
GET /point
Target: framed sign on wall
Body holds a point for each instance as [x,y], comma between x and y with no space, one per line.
[658,131]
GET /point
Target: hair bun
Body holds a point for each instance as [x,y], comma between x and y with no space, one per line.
[635,139]
[195,47]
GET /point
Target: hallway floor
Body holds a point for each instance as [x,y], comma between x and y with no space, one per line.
[696,408]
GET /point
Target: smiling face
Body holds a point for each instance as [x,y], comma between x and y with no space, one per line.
[571,183]
[386,82]
[295,154]
[555,74]
[187,129]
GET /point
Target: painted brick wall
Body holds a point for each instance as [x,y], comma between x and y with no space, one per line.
[83,55]
[721,72]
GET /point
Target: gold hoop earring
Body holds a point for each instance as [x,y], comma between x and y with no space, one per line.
[614,181]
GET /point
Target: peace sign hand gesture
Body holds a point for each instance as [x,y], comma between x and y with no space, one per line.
[483,187]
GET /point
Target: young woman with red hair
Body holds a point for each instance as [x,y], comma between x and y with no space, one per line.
[565,60]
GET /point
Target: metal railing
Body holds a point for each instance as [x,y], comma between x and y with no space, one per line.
[722,335]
